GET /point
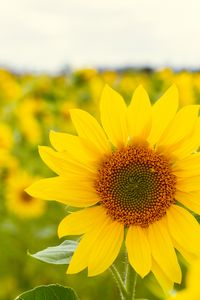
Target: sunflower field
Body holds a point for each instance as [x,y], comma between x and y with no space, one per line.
[31,106]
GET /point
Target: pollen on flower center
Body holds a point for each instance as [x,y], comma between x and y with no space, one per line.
[136,185]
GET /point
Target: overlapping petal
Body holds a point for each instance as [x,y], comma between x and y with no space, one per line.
[188,167]
[89,129]
[98,247]
[106,248]
[114,116]
[184,228]
[188,184]
[179,128]
[163,112]
[190,200]
[62,164]
[69,192]
[163,250]
[81,221]
[188,256]
[75,146]
[186,146]
[162,278]
[139,114]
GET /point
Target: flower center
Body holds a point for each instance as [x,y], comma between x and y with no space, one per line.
[25,197]
[136,185]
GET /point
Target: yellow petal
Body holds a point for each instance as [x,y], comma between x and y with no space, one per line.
[74,145]
[163,251]
[80,221]
[164,281]
[190,200]
[163,112]
[106,248]
[139,252]
[89,129]
[65,191]
[81,256]
[184,228]
[62,164]
[188,184]
[188,145]
[188,256]
[188,167]
[181,126]
[114,116]
[139,114]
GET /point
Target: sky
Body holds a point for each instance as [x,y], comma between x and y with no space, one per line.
[48,35]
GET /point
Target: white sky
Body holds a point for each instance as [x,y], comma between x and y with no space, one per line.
[49,34]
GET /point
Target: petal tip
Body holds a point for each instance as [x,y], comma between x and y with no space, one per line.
[30,190]
[52,133]
[108,89]
[41,148]
[73,112]
[140,87]
[92,273]
[27,190]
[59,232]
[174,89]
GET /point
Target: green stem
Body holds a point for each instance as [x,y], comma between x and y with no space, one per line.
[128,287]
[119,282]
[131,280]
[126,270]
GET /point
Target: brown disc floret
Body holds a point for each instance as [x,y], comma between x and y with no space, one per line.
[136,185]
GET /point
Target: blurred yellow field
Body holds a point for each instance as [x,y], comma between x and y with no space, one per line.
[30,106]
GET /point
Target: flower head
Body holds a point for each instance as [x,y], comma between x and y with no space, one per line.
[140,172]
[18,201]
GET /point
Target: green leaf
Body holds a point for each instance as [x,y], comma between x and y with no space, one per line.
[58,255]
[49,292]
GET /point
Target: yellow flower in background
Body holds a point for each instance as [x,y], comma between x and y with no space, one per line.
[192,290]
[86,74]
[8,164]
[6,137]
[139,172]
[185,83]
[18,201]
[10,90]
[64,112]
[109,77]
[28,112]
[130,80]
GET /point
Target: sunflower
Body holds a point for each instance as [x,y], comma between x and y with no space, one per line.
[18,201]
[136,176]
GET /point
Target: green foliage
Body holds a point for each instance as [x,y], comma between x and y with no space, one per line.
[58,255]
[50,292]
